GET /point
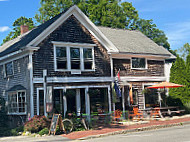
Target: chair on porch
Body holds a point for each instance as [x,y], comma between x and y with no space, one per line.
[135,113]
[117,115]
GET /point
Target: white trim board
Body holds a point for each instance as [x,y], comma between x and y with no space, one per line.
[84,20]
[73,79]
[144,78]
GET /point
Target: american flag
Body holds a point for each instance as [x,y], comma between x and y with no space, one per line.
[116,84]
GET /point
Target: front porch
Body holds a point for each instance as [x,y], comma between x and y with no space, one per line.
[77,100]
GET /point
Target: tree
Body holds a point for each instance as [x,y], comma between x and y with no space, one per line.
[185,50]
[180,74]
[108,13]
[16,30]
[150,29]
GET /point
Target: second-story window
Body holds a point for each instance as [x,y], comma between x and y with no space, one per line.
[88,59]
[138,63]
[73,58]
[8,69]
[61,57]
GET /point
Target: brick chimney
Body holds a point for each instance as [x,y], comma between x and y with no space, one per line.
[24,29]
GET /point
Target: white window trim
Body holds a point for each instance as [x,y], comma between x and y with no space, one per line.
[146,64]
[81,47]
[143,87]
[4,70]
[18,113]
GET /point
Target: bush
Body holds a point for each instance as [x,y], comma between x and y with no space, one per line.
[44,131]
[36,124]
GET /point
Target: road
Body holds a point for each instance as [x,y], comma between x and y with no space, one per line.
[33,139]
[172,134]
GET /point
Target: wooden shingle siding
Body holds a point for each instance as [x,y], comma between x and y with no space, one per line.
[21,76]
[70,31]
[155,68]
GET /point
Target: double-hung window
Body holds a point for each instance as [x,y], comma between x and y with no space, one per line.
[138,63]
[88,59]
[74,57]
[17,102]
[8,69]
[61,57]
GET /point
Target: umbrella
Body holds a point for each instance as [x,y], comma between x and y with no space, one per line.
[164,85]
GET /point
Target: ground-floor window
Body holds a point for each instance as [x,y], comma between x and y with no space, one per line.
[17,102]
[151,97]
[98,99]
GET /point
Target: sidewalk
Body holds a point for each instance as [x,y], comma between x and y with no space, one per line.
[118,129]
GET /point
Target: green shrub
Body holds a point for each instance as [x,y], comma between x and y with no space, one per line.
[44,131]
[36,124]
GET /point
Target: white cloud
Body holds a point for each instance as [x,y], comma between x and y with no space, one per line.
[4,29]
[178,33]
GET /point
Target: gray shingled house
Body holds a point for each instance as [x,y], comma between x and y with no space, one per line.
[68,64]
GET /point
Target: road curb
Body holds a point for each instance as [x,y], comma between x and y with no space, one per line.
[136,130]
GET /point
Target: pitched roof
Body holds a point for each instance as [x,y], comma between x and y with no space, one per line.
[133,42]
[16,88]
[22,40]
[124,40]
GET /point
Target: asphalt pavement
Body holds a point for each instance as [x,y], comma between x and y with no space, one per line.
[35,139]
[172,134]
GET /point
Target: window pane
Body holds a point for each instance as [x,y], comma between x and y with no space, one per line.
[61,52]
[87,52]
[88,65]
[75,64]
[61,64]
[9,69]
[75,53]
[138,63]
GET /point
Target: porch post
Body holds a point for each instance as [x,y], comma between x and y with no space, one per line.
[78,103]
[45,89]
[65,104]
[109,99]
[87,103]
[123,102]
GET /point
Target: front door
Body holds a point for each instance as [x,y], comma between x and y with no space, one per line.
[41,102]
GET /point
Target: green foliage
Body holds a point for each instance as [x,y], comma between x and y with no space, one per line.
[180,74]
[150,29]
[108,13]
[36,124]
[16,30]
[3,118]
[185,50]
[44,131]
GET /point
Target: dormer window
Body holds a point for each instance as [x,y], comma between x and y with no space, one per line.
[138,63]
[73,57]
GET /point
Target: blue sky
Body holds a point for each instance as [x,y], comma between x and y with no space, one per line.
[171,16]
